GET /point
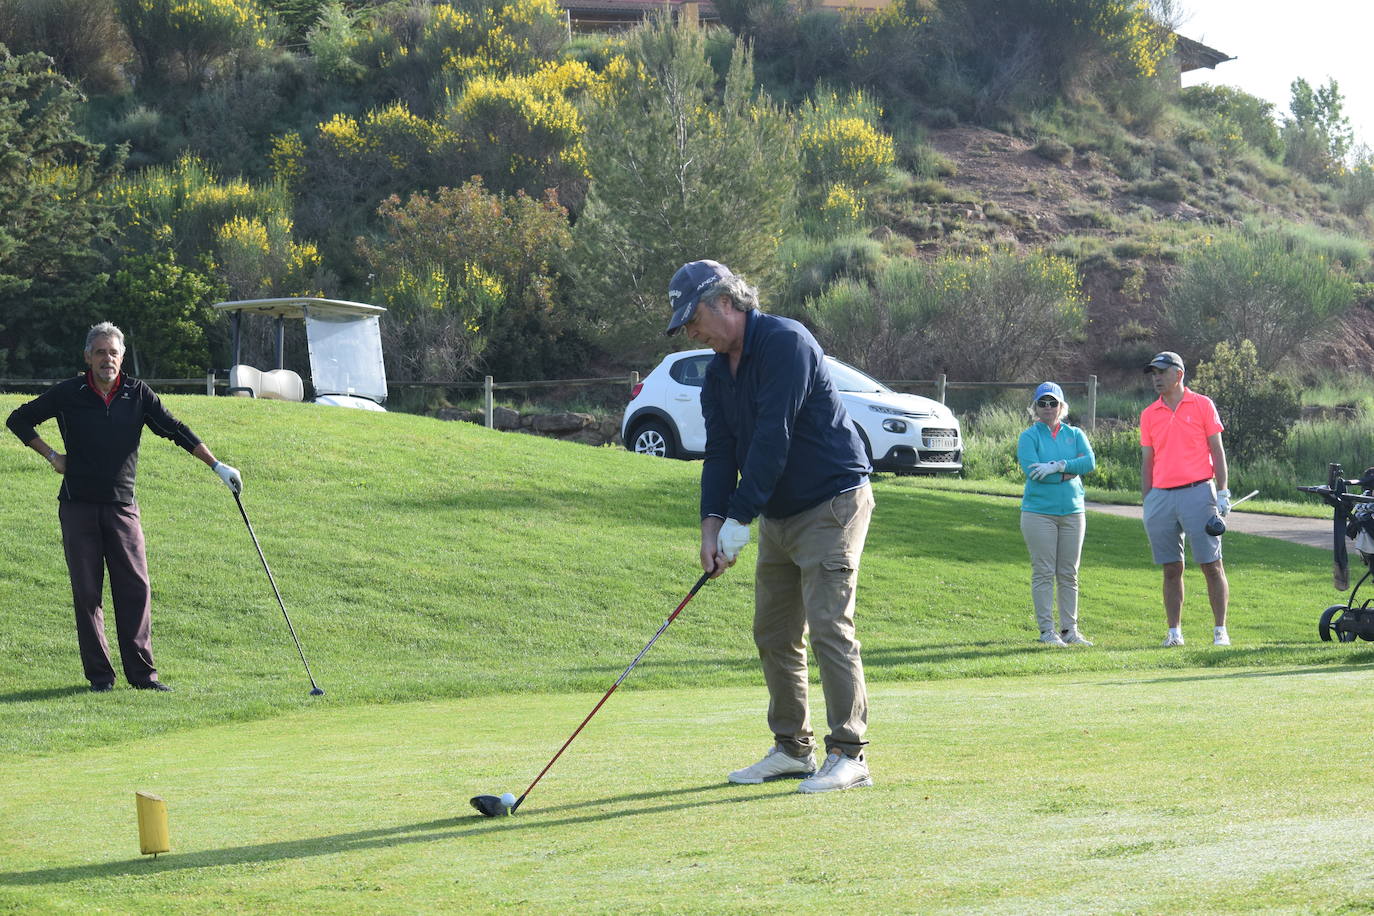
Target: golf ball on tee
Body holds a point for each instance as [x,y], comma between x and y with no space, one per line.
[507,799]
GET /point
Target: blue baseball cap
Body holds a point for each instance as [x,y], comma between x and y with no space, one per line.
[1051,389]
[690,281]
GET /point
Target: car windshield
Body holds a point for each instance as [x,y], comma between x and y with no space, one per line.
[847,378]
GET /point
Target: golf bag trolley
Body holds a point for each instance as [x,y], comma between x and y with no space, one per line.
[1353,520]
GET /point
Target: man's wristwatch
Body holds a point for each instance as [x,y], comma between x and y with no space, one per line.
[52,453]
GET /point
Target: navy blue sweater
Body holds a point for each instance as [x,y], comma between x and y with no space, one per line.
[101,440]
[778,439]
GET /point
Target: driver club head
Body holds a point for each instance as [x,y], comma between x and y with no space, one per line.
[1215,526]
[490,805]
[317,692]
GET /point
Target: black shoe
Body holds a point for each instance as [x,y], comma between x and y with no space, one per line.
[153,685]
[102,688]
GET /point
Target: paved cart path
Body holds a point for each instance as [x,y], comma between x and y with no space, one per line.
[1313,532]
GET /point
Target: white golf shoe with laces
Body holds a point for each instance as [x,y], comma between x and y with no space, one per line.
[776,764]
[1170,641]
[1051,638]
[840,771]
[1075,638]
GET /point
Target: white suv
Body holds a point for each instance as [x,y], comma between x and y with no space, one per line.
[900,431]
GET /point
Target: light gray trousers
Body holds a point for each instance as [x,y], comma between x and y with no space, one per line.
[1056,545]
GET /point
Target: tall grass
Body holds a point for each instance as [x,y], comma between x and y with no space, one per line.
[990,449]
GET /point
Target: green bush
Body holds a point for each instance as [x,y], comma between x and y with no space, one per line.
[1257,407]
[181,40]
[809,265]
[1234,117]
[988,317]
[1273,291]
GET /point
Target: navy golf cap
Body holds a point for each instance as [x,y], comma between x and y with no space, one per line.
[690,281]
[1166,360]
[1051,389]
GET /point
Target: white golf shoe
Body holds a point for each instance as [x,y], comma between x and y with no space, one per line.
[840,771]
[1051,638]
[1075,638]
[776,764]
[1220,637]
[1170,641]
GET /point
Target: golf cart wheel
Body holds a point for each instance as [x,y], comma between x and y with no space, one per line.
[653,438]
[1328,629]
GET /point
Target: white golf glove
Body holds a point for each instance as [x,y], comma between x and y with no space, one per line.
[1223,502]
[231,477]
[732,538]
[1042,469]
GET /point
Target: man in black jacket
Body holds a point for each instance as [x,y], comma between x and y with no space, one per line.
[780,448]
[101,416]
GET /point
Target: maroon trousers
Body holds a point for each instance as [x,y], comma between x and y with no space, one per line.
[96,536]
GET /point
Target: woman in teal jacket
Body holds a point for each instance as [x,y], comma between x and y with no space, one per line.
[1054,457]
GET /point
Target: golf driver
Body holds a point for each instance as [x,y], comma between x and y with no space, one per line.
[315,690]
[1215,526]
[492,805]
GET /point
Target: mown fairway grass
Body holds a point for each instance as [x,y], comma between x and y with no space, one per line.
[495,579]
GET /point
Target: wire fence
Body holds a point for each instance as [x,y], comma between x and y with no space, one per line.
[212,383]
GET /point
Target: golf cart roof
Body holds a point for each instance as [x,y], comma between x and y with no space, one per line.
[295,307]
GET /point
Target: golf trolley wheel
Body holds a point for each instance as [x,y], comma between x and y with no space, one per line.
[1327,628]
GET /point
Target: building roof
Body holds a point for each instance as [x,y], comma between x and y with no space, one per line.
[1194,55]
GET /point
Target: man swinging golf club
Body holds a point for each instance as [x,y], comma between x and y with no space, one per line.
[101,415]
[780,447]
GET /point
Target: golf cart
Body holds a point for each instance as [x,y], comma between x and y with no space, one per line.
[344,340]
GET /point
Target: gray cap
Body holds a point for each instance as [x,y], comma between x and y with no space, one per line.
[1165,360]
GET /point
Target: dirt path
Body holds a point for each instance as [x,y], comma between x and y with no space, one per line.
[1312,532]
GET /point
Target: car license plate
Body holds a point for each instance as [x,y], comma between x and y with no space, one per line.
[941,442]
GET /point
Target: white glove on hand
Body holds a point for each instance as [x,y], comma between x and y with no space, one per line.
[1042,469]
[230,476]
[1223,502]
[732,538]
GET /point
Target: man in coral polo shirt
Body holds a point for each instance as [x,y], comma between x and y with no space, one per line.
[1181,457]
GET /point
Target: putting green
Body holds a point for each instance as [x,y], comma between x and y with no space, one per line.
[1187,791]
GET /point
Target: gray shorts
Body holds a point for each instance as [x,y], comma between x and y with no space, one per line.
[1170,515]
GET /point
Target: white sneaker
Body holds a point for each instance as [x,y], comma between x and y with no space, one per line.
[776,764]
[1220,637]
[1051,638]
[1171,640]
[840,771]
[1075,638]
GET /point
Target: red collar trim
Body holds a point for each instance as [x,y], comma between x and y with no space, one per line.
[114,389]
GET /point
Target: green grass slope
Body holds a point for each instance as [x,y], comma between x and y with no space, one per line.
[421,559]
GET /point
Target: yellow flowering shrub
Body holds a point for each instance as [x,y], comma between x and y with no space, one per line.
[840,143]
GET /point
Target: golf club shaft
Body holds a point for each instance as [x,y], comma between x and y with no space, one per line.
[1244,498]
[607,695]
[275,591]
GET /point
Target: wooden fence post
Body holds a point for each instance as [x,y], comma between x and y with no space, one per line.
[1092,403]
[634,380]
[940,388]
[210,382]
[486,401]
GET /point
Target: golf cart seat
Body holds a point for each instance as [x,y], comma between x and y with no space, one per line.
[277,384]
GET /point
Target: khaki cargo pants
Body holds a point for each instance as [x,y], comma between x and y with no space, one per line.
[808,566]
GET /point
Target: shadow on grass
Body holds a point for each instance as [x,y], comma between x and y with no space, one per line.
[424,832]
[1348,666]
[50,693]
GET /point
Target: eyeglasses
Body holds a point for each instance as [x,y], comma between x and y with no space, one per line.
[1047,402]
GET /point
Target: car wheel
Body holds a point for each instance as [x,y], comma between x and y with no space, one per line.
[653,438]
